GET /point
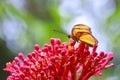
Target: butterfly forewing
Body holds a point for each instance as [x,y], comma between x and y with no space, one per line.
[81,28]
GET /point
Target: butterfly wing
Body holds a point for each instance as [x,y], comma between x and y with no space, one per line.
[80,28]
[88,39]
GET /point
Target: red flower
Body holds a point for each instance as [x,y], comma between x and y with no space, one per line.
[59,61]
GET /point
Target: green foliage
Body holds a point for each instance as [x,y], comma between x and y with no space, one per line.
[113,27]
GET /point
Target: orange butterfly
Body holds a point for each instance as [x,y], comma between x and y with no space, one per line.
[83,33]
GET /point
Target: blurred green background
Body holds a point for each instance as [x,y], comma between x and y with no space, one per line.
[26,22]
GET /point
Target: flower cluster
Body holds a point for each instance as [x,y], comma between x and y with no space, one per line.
[59,61]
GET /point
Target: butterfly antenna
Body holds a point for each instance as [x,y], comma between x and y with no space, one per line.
[59,32]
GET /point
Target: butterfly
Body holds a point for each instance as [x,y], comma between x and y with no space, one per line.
[81,32]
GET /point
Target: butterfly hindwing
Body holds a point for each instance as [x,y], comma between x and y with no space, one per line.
[88,39]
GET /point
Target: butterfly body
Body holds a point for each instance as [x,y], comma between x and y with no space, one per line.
[81,32]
